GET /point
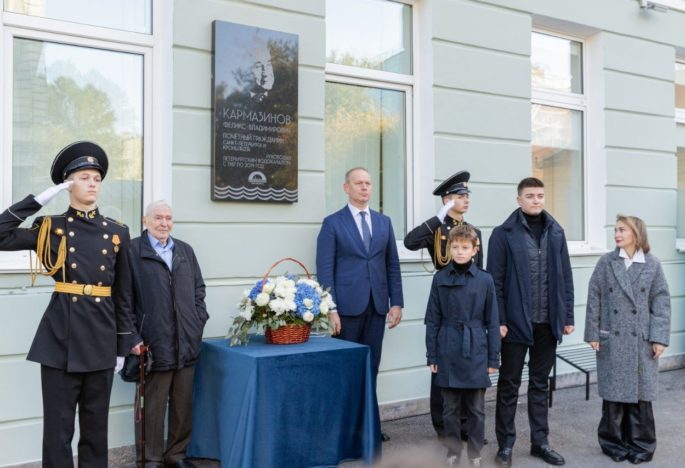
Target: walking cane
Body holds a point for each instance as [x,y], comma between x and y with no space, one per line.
[140,390]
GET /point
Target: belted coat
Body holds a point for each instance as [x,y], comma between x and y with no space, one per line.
[627,311]
[79,333]
[462,327]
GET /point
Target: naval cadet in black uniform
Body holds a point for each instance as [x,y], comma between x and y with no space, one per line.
[432,235]
[88,321]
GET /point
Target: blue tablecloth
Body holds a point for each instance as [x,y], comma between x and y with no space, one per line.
[303,405]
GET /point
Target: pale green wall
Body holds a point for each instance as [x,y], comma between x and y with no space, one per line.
[481,113]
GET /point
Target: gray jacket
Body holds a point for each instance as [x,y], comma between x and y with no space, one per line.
[627,311]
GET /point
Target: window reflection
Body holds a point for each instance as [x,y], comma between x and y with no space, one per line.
[372,34]
[557,146]
[556,64]
[64,93]
[127,15]
[681,193]
[680,85]
[366,127]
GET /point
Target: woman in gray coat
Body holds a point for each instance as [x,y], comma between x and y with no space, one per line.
[628,323]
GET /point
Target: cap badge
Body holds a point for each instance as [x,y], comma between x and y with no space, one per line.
[91,159]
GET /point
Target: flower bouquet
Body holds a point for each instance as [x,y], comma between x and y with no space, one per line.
[286,307]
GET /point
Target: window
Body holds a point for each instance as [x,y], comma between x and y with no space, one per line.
[680,228]
[680,120]
[557,123]
[369,101]
[680,91]
[79,70]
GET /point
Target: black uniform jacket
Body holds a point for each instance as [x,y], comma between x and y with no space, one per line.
[79,333]
[423,236]
[170,305]
[462,327]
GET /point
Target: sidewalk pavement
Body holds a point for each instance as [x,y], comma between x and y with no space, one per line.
[573,433]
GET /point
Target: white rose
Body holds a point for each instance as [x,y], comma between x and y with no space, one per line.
[262,299]
[246,313]
[308,316]
[278,306]
[323,308]
[268,287]
[290,304]
[290,284]
[308,303]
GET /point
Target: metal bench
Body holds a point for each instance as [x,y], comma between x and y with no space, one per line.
[582,358]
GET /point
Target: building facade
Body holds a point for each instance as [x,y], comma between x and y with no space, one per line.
[587,95]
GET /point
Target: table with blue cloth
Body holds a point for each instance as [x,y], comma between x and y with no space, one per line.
[299,405]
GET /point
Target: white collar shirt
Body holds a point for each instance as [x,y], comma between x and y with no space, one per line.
[638,257]
[358,219]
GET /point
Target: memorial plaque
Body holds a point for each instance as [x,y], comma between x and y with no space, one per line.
[254,133]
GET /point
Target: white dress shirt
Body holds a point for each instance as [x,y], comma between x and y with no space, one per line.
[638,257]
[358,218]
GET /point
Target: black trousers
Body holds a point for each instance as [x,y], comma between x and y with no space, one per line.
[540,362]
[436,408]
[627,428]
[367,328]
[172,389]
[62,393]
[464,404]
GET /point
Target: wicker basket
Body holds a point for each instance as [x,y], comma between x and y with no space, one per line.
[288,334]
[291,333]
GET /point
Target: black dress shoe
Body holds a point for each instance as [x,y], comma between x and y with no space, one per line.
[503,457]
[547,454]
[184,463]
[637,458]
[385,437]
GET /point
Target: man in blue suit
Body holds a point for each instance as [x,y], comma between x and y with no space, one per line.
[356,257]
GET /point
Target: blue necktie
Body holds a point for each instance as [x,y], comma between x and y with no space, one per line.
[366,232]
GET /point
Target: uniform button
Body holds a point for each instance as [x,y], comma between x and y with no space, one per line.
[611,289]
[99,283]
[73,265]
[59,231]
[616,333]
[74,299]
[104,223]
[71,233]
[104,251]
[105,236]
[97,299]
[634,311]
[615,311]
[70,219]
[72,249]
[102,267]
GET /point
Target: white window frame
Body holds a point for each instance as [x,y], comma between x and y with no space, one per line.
[344,74]
[593,233]
[156,50]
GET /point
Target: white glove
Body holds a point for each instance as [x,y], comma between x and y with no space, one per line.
[47,195]
[444,210]
[120,364]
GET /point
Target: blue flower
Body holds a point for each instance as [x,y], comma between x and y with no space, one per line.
[306,296]
[255,290]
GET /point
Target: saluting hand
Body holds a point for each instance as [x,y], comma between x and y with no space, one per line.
[48,194]
[444,210]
